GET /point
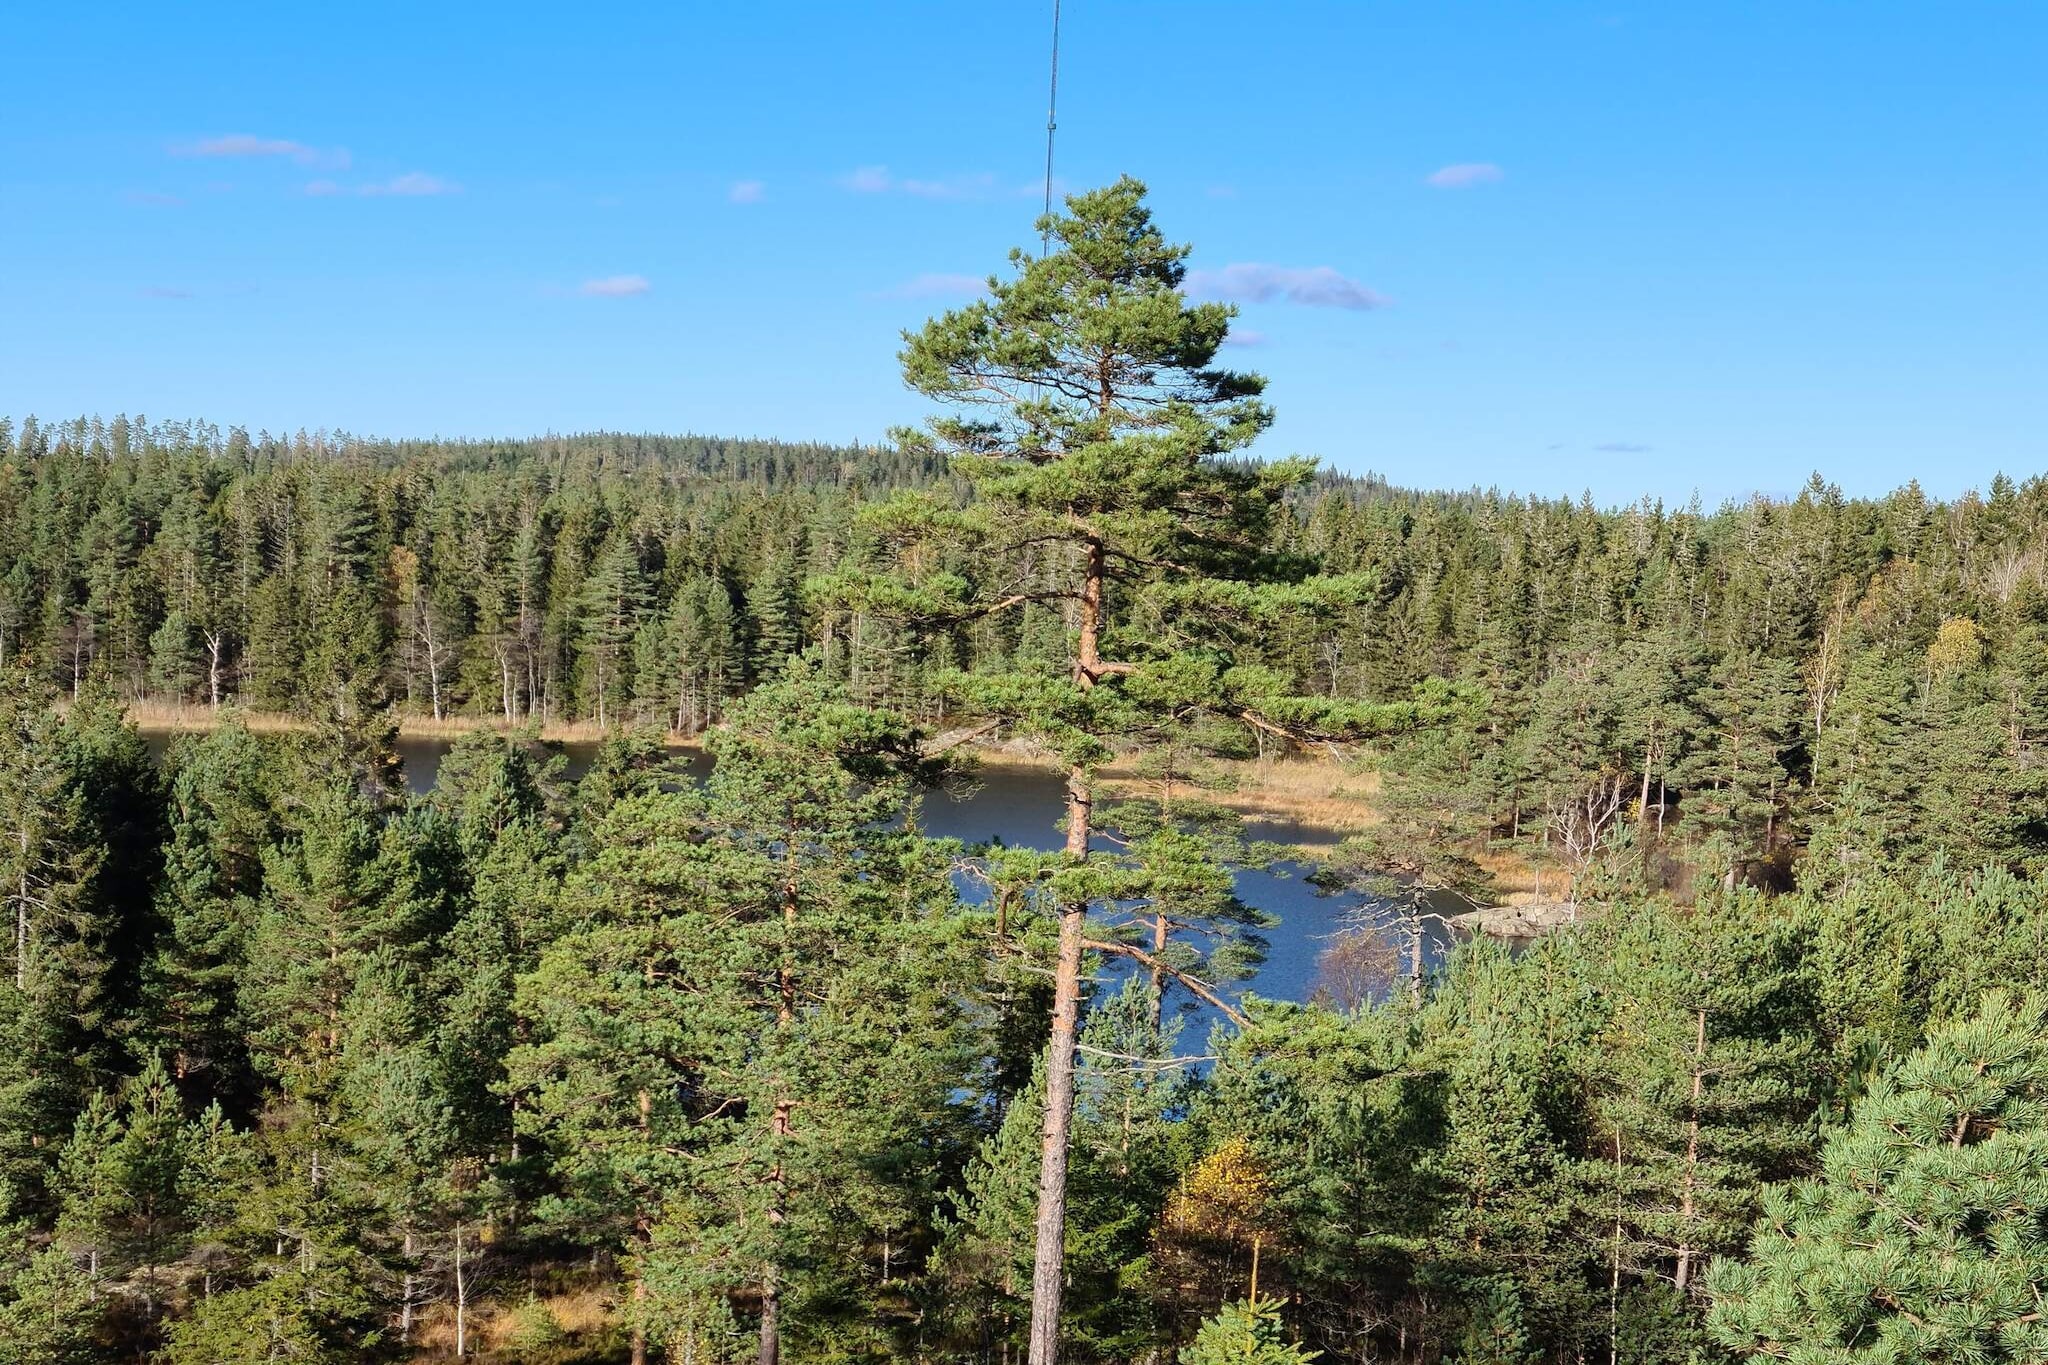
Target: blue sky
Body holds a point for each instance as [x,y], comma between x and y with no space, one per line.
[1551,247]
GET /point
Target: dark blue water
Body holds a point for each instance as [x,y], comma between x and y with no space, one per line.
[1022,807]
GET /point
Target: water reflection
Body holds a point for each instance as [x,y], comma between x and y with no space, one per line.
[1022,806]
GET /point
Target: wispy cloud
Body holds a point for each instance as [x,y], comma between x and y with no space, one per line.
[411,185]
[1464,175]
[1222,191]
[1312,287]
[153,199]
[160,291]
[867,180]
[1245,336]
[1623,448]
[938,285]
[880,180]
[615,287]
[747,191]
[248,145]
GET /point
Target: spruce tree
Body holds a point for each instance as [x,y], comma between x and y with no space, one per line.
[48,1312]
[78,850]
[745,1052]
[1706,1083]
[613,600]
[1246,1332]
[221,819]
[827,1010]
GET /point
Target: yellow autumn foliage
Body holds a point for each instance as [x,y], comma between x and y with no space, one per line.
[1958,644]
[1223,1198]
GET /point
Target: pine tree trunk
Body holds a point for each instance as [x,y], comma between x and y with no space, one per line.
[1415,937]
[1614,1281]
[405,1303]
[643,1233]
[461,1299]
[214,642]
[434,677]
[21,917]
[638,1347]
[1159,940]
[1050,1252]
[771,1321]
[1686,1251]
[770,1349]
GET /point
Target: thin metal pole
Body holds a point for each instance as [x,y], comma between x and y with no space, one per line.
[1052,104]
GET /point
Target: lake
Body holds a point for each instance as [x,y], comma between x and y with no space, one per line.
[1022,806]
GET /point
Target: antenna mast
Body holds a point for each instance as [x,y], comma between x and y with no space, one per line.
[1052,104]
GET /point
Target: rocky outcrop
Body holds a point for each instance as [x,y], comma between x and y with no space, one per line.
[1521,917]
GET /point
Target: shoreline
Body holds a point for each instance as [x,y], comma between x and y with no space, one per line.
[1314,791]
[1306,790]
[157,718]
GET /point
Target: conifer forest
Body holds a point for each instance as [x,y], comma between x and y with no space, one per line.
[704,1049]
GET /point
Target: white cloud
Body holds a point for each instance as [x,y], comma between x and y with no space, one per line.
[879,180]
[615,287]
[747,191]
[413,184]
[1464,175]
[1245,336]
[248,144]
[1312,286]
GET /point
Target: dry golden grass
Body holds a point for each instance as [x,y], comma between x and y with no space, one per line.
[1518,879]
[171,717]
[496,1325]
[1316,791]
[1309,789]
[564,732]
[433,1332]
[174,717]
[582,1312]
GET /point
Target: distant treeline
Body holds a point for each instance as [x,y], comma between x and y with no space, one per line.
[1865,675]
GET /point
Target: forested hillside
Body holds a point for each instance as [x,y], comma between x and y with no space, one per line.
[298,1065]
[1865,674]
[293,1068]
